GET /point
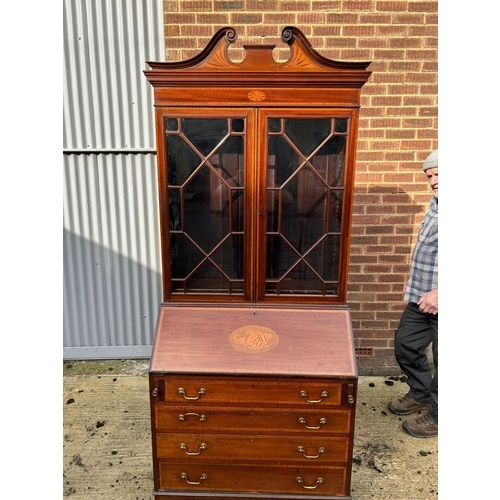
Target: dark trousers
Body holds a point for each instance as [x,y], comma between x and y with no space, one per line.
[415,332]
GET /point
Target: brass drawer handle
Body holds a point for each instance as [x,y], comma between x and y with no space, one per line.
[180,390]
[203,446]
[201,418]
[318,481]
[322,421]
[303,451]
[303,394]
[185,476]
[155,392]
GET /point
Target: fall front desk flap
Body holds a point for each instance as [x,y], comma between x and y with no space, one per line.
[250,340]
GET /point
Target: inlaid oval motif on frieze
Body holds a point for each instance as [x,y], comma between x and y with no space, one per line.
[254,339]
[256,95]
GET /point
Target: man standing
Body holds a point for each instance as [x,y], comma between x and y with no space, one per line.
[418,327]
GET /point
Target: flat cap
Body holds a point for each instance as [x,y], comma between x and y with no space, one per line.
[431,161]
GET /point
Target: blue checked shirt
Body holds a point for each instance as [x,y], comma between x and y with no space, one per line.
[424,260]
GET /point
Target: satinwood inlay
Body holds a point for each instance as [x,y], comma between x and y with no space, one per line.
[255,339]
[256,95]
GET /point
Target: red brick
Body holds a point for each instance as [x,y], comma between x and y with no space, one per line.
[431,6]
[375,18]
[342,19]
[227,5]
[196,5]
[178,19]
[375,343]
[364,5]
[211,19]
[261,5]
[421,54]
[409,19]
[326,5]
[296,6]
[405,43]
[315,20]
[246,18]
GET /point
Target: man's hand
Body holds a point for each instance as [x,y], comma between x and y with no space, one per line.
[428,303]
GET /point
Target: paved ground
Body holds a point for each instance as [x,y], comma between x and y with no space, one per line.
[107,447]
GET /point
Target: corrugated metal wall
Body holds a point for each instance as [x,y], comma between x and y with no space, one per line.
[112,271]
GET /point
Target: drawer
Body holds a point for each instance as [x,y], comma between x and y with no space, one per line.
[238,448]
[248,420]
[253,391]
[298,480]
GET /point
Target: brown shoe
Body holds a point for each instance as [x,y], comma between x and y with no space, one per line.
[421,427]
[406,405]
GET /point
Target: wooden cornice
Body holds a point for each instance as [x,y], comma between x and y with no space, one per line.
[213,68]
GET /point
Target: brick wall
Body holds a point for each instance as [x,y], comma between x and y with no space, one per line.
[398,128]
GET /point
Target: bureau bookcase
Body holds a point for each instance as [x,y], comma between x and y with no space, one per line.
[253,376]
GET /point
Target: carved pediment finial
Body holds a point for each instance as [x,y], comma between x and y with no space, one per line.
[258,62]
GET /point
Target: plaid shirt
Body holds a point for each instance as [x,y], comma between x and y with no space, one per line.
[424,260]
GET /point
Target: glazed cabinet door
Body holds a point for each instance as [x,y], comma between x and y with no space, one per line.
[305,181]
[206,184]
[255,203]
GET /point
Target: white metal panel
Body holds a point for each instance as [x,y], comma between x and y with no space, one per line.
[112,276]
[107,99]
[112,273]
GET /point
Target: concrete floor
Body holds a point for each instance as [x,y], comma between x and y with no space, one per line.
[107,438]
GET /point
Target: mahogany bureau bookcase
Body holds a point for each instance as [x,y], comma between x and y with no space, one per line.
[253,375]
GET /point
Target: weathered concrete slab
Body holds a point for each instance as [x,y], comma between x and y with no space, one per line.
[107,438]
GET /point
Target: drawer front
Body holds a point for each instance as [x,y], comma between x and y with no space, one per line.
[246,420]
[233,448]
[299,480]
[249,391]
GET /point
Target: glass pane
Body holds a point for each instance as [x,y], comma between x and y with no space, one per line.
[303,222]
[207,278]
[301,279]
[181,160]
[275,125]
[184,256]
[324,258]
[206,204]
[172,124]
[307,134]
[205,134]
[329,161]
[281,256]
[237,125]
[227,257]
[228,161]
[341,125]
[335,211]
[283,160]
[174,203]
[304,214]
[204,226]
